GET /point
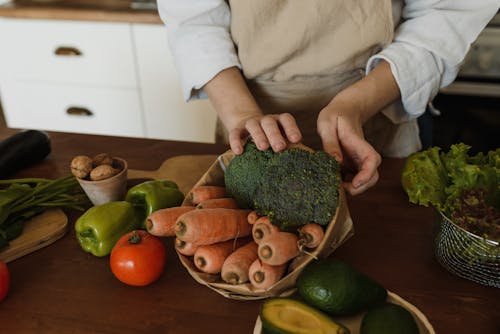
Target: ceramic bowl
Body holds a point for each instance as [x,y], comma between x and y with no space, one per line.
[110,189]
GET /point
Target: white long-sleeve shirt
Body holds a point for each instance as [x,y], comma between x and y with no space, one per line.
[431,40]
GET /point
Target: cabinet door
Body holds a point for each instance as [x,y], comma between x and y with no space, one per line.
[72,108]
[166,114]
[85,53]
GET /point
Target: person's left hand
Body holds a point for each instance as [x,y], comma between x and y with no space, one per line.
[340,128]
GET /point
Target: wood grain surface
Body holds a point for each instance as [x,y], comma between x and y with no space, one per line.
[40,231]
[61,289]
[79,10]
[185,170]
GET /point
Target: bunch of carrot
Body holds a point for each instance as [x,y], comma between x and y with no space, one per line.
[234,243]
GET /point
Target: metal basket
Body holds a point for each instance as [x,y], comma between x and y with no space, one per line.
[466,254]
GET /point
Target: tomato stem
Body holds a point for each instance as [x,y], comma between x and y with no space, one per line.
[135,238]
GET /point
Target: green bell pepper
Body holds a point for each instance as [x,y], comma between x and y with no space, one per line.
[100,227]
[154,195]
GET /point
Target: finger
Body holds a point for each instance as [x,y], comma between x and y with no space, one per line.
[257,133]
[236,140]
[273,133]
[368,169]
[348,186]
[289,126]
[330,140]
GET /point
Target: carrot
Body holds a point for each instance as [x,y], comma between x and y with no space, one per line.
[235,267]
[209,258]
[262,275]
[252,217]
[310,235]
[263,228]
[161,222]
[202,193]
[224,202]
[278,248]
[208,226]
[185,248]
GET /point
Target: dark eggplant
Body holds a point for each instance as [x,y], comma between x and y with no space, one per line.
[23,149]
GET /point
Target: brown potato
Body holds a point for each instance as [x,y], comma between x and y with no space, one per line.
[81,165]
[103,172]
[102,159]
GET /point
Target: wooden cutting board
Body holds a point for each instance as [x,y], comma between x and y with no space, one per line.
[185,170]
[40,231]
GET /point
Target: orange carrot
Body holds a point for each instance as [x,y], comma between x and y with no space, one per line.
[209,258]
[208,226]
[262,275]
[212,203]
[185,248]
[202,193]
[161,222]
[235,268]
[310,235]
[278,248]
[262,228]
[252,217]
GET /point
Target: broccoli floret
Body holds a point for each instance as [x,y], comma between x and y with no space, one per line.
[298,187]
[243,174]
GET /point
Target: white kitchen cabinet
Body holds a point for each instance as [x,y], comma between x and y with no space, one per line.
[97,78]
[85,53]
[73,108]
[166,114]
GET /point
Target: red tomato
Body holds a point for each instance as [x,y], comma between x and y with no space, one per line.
[4,280]
[138,258]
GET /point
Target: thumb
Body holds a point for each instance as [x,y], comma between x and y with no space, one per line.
[331,144]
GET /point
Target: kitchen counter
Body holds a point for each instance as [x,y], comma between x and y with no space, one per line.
[80,10]
[61,289]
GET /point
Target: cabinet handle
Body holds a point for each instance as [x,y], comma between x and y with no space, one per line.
[79,111]
[67,51]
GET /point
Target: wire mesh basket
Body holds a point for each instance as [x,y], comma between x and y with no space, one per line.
[466,254]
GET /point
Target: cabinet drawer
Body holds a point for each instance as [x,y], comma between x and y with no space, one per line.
[70,52]
[72,109]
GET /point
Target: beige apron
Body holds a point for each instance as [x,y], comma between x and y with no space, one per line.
[297,55]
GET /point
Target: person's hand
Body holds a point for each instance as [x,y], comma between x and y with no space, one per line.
[340,129]
[266,131]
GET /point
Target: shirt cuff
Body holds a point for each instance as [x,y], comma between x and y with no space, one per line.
[417,74]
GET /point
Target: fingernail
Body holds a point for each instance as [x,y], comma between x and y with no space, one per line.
[279,146]
[356,184]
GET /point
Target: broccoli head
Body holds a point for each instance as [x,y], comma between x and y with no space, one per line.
[298,187]
[243,174]
[293,187]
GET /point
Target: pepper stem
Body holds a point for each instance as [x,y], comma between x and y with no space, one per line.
[135,238]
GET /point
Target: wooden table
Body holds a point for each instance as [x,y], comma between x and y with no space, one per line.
[61,289]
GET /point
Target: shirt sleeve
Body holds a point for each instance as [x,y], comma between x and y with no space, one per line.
[200,41]
[429,47]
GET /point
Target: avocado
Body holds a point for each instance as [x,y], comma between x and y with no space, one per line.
[290,316]
[388,319]
[338,289]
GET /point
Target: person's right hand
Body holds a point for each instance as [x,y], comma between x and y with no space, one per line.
[273,131]
[340,128]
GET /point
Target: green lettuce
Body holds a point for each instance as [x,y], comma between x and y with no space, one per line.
[424,178]
[455,182]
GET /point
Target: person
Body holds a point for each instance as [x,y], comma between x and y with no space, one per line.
[347,76]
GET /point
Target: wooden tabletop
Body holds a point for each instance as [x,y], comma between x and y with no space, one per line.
[80,10]
[61,289]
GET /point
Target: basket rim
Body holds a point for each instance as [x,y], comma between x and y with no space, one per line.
[475,236]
